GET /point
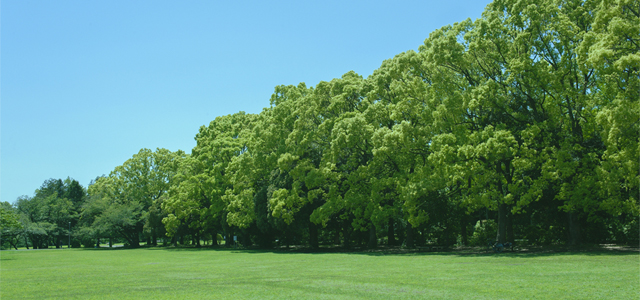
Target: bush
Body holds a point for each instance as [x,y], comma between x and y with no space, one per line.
[484,231]
[88,242]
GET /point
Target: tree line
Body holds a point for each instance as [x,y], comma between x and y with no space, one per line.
[520,125]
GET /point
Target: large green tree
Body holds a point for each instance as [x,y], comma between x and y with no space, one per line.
[198,202]
[129,192]
[10,226]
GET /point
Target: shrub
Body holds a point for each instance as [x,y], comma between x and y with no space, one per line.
[484,231]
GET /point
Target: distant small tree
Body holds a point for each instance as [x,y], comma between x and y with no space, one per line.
[10,227]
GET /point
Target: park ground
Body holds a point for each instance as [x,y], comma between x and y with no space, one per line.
[205,273]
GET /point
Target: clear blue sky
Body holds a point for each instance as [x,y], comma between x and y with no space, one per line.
[87,84]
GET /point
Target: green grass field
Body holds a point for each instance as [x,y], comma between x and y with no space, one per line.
[180,273]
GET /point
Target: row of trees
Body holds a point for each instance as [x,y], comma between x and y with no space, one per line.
[125,206]
[526,118]
[46,218]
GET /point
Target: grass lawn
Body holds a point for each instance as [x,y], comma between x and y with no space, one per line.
[181,273]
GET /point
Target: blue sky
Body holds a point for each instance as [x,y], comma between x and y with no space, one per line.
[87,84]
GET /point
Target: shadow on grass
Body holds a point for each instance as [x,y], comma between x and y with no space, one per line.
[108,248]
[397,251]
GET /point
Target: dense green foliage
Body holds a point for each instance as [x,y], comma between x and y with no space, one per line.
[527,117]
[45,219]
[127,203]
[179,273]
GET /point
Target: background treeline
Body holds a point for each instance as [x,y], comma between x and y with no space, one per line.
[523,124]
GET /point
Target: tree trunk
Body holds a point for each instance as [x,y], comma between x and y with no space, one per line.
[154,238]
[346,235]
[136,240]
[313,235]
[401,235]
[391,236]
[502,223]
[214,242]
[246,239]
[409,234]
[510,236]
[287,238]
[26,242]
[574,229]
[229,242]
[463,229]
[373,238]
